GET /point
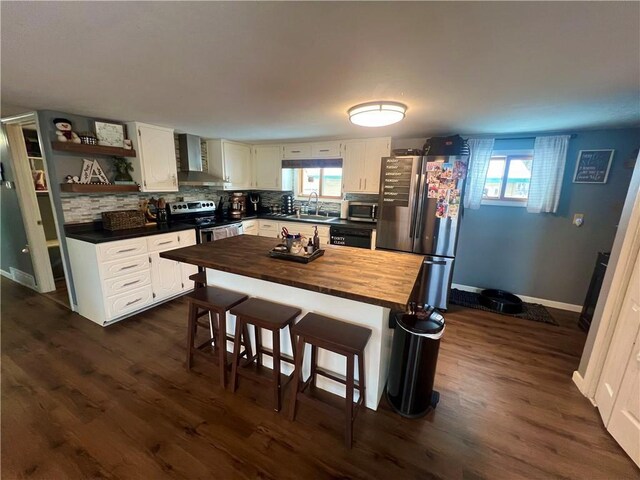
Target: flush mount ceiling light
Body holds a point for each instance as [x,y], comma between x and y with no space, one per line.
[377,114]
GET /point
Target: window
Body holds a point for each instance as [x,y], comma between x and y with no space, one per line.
[326,182]
[508,178]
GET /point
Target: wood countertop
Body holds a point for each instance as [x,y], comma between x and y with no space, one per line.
[376,277]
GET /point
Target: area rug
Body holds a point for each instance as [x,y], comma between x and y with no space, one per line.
[532,311]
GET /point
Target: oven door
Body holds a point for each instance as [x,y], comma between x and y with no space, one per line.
[211,234]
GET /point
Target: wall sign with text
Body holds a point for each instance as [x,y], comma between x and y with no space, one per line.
[593,166]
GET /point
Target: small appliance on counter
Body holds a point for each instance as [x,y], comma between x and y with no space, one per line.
[287,204]
[254,198]
[363,211]
[238,202]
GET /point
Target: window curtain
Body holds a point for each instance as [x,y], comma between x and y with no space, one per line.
[481,149]
[549,157]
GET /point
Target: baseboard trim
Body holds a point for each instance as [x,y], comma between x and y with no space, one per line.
[542,301]
[579,382]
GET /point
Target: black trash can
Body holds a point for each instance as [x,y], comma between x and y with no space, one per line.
[414,355]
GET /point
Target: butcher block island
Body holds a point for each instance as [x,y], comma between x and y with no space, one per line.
[351,284]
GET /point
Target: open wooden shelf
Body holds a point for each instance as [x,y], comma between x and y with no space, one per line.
[97,188]
[92,149]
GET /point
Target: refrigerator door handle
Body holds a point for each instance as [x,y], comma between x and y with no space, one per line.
[422,188]
[431,262]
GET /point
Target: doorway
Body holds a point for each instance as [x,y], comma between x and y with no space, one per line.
[31,183]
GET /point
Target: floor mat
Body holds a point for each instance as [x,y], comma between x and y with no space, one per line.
[532,311]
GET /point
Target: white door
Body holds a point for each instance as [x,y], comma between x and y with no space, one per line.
[618,393]
[186,269]
[375,150]
[237,164]
[166,277]
[158,158]
[268,167]
[352,166]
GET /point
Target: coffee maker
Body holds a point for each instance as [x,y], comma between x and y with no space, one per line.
[238,202]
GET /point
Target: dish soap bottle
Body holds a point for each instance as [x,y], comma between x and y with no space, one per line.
[316,239]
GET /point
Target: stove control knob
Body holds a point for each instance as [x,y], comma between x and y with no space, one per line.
[173,207]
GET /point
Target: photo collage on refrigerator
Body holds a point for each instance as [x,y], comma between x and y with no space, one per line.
[443,180]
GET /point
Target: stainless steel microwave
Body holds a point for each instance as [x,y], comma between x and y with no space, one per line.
[363,211]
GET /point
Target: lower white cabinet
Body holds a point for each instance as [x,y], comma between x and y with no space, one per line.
[116,279]
[268,228]
[250,227]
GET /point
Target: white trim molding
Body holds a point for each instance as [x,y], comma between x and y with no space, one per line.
[525,298]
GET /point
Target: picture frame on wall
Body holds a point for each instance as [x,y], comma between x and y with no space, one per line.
[592,166]
[110,134]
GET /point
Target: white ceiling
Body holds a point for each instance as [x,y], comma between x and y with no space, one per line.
[271,70]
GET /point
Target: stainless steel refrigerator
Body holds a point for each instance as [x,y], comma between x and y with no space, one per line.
[420,209]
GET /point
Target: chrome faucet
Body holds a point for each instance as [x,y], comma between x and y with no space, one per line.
[309,203]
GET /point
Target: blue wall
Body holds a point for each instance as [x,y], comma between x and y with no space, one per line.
[545,255]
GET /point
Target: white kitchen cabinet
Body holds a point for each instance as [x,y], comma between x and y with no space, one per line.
[326,150]
[166,276]
[232,162]
[267,167]
[116,279]
[296,151]
[250,227]
[361,164]
[155,166]
[307,230]
[268,228]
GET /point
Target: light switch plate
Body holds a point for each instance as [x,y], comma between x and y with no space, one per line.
[578,219]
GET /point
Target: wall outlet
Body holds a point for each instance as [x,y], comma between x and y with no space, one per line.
[578,219]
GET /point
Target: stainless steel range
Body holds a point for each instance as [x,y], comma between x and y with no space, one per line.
[202,214]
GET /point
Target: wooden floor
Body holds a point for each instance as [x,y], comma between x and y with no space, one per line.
[80,401]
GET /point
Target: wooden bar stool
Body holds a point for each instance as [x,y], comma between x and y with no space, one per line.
[216,301]
[263,314]
[338,337]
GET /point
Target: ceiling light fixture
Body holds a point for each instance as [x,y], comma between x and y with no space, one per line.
[377,114]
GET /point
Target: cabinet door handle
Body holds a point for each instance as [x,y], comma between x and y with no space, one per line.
[360,184]
[126,250]
[130,283]
[133,301]
[365,183]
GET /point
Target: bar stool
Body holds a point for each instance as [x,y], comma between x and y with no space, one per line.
[338,337]
[271,316]
[216,301]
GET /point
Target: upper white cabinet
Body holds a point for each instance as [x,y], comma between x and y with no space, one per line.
[231,161]
[267,167]
[293,151]
[361,163]
[296,150]
[155,167]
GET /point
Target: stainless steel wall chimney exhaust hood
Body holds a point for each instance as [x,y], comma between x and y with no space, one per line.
[191,171]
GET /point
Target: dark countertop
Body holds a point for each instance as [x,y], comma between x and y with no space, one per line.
[94,233]
[338,222]
[376,277]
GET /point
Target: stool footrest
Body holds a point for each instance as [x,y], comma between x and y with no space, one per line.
[336,377]
[283,356]
[326,401]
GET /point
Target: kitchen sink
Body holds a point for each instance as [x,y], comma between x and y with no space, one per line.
[315,218]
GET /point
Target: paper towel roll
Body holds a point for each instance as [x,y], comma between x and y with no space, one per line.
[344,209]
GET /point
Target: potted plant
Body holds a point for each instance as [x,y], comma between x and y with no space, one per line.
[122,168]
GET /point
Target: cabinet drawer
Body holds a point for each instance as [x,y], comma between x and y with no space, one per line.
[166,241]
[326,150]
[125,266]
[121,249]
[268,225]
[118,285]
[187,238]
[297,150]
[119,305]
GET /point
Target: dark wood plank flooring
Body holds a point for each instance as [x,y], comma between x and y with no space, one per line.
[80,401]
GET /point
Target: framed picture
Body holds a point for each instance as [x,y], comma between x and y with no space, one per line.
[593,166]
[110,134]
